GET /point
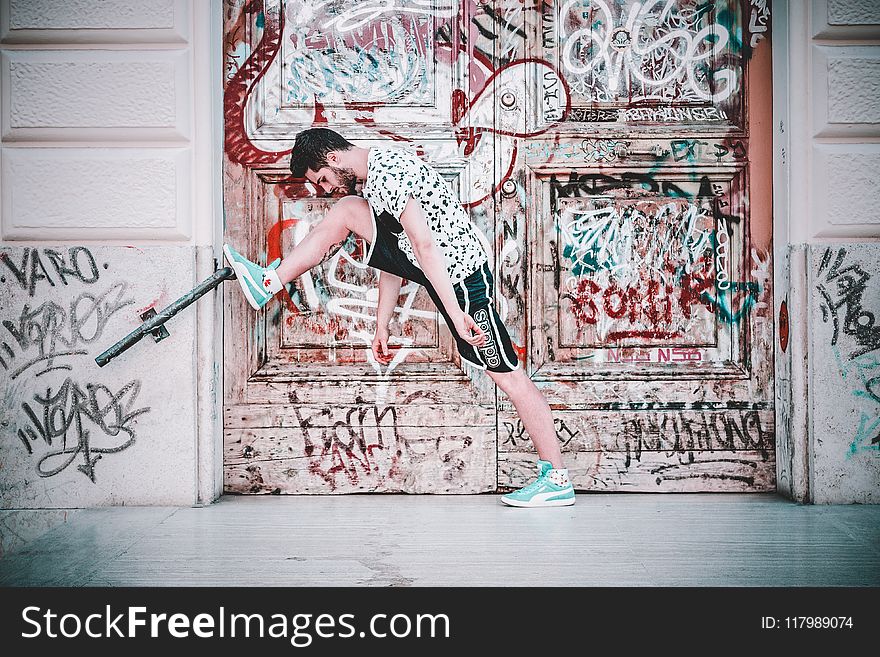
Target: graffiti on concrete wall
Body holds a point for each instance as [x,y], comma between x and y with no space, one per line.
[42,334]
[843,286]
[57,305]
[66,420]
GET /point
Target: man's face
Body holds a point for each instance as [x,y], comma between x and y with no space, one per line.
[333,180]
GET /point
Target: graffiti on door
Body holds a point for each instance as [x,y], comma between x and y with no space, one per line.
[601,148]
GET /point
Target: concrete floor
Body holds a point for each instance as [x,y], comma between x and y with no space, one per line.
[688,539]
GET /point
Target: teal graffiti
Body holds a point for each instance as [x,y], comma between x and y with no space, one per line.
[725,300]
[341,72]
[867,436]
[862,374]
[587,261]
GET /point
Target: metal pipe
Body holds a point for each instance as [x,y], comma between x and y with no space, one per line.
[165,314]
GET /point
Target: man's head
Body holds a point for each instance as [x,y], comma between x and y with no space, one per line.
[319,155]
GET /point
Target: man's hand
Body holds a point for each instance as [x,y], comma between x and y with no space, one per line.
[464,325]
[380,346]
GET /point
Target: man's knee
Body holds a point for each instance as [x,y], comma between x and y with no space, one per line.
[354,213]
[351,206]
[508,380]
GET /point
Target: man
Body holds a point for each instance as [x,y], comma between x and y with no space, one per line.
[418,230]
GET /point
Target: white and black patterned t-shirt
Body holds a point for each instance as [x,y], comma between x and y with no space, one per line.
[393,175]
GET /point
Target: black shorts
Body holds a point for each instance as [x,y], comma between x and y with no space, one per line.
[474,295]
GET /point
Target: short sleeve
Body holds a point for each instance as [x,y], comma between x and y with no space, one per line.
[399,180]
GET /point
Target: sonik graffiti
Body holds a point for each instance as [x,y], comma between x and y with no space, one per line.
[656,266]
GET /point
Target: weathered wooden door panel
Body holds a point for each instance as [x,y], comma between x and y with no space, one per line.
[308,408]
[604,150]
[649,295]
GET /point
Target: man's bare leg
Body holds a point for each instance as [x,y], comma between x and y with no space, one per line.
[352,214]
[349,214]
[534,412]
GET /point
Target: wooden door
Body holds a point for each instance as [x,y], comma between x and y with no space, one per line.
[615,155]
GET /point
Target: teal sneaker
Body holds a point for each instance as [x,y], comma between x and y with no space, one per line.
[259,284]
[541,492]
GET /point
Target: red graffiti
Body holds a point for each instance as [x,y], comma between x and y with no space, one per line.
[693,286]
[320,113]
[348,448]
[520,351]
[275,250]
[522,62]
[460,105]
[657,309]
[652,304]
[320,324]
[647,334]
[238,147]
[241,150]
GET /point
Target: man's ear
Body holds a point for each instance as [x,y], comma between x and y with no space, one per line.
[333,157]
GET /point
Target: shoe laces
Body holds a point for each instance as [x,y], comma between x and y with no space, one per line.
[535,484]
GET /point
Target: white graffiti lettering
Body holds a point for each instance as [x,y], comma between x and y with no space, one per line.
[490,351]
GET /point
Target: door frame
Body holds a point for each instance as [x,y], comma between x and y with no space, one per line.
[791,455]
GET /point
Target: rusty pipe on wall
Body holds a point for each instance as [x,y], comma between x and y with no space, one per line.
[154,323]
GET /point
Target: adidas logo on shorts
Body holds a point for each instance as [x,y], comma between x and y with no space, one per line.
[490,351]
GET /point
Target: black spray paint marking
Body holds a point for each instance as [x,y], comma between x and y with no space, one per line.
[842,289]
[66,415]
[77,264]
[516,433]
[667,472]
[54,332]
[688,432]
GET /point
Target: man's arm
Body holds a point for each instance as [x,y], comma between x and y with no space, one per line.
[389,292]
[433,263]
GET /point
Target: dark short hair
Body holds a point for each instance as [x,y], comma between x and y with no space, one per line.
[311,147]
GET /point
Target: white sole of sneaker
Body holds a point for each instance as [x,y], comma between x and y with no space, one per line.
[241,273]
[535,505]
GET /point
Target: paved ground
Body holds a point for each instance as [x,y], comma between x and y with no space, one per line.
[697,539]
